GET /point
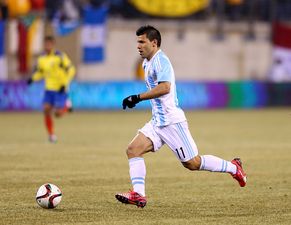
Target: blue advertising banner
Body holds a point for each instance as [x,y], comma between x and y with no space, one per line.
[16,96]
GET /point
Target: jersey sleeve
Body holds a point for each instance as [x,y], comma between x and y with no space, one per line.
[69,69]
[163,70]
[38,72]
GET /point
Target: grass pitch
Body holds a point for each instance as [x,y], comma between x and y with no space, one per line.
[89,165]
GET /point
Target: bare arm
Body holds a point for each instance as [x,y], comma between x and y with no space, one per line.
[160,90]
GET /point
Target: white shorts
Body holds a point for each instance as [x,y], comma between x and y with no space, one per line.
[176,136]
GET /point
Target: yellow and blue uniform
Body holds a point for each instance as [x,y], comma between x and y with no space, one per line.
[57,71]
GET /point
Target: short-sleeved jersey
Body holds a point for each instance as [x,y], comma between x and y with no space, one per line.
[55,68]
[165,109]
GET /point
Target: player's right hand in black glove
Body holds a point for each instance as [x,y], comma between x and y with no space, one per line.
[62,89]
[29,81]
[131,101]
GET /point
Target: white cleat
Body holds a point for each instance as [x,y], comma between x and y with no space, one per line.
[53,138]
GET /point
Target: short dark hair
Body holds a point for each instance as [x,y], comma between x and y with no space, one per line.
[49,38]
[151,33]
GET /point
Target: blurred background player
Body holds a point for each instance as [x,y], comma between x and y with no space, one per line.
[56,69]
[168,125]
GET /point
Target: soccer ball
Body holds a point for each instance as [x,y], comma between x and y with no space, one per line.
[48,196]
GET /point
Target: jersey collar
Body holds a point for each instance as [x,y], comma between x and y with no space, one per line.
[154,56]
[52,52]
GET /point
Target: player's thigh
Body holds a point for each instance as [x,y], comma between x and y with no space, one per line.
[179,139]
[48,99]
[60,100]
[47,108]
[139,145]
[149,131]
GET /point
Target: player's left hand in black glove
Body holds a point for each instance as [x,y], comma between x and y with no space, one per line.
[131,101]
[62,89]
[29,81]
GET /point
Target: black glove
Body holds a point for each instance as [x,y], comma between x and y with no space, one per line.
[29,81]
[62,89]
[131,101]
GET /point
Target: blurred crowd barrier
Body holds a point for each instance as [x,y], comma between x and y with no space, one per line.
[206,40]
[192,49]
[17,96]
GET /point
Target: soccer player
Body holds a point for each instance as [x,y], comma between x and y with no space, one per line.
[56,69]
[168,124]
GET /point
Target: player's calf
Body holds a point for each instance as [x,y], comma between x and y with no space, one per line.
[60,112]
[193,164]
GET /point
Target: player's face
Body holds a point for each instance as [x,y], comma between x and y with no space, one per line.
[146,48]
[48,46]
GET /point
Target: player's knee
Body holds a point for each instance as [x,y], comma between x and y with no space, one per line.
[132,152]
[58,114]
[189,166]
[47,110]
[193,164]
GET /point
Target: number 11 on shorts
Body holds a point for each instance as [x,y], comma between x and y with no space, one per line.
[180,151]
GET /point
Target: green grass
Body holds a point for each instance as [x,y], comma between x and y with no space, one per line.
[89,165]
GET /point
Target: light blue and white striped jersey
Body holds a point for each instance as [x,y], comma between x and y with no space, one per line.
[165,109]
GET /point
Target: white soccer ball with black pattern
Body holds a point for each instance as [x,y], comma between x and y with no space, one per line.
[48,196]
